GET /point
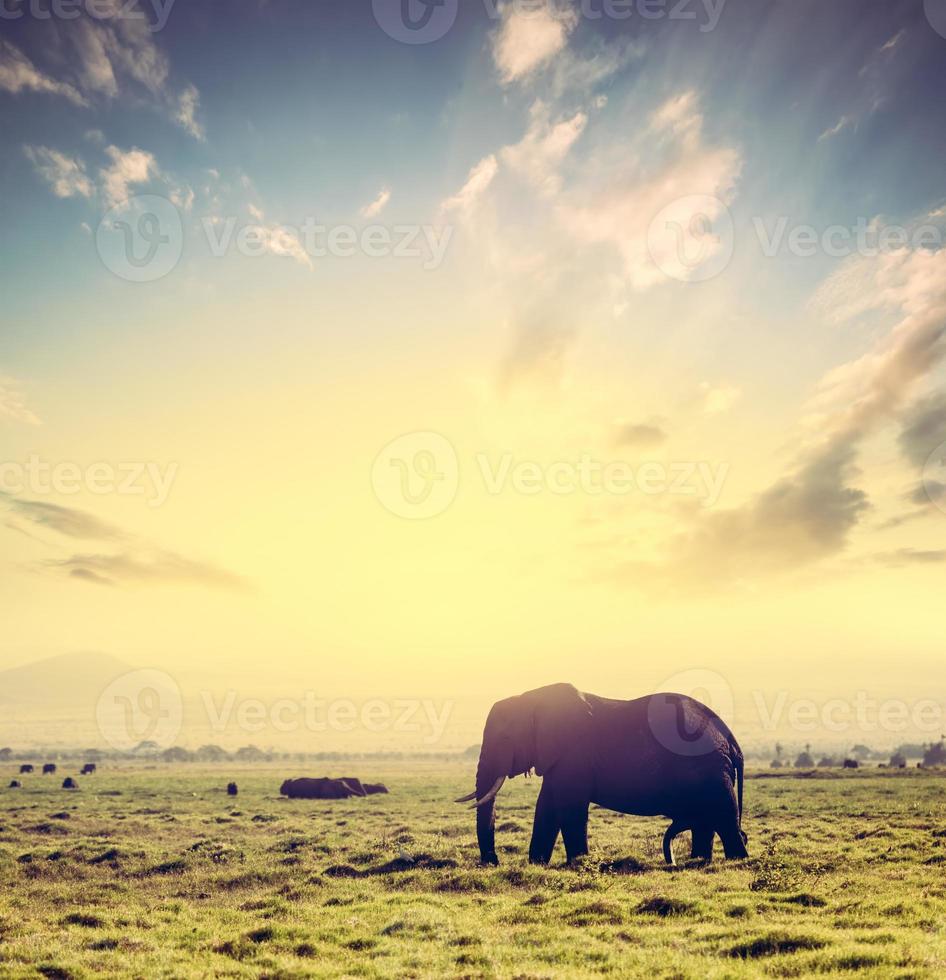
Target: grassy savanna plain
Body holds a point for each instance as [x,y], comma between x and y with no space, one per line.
[156,872]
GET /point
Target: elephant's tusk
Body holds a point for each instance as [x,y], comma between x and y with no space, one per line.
[492,793]
[467,798]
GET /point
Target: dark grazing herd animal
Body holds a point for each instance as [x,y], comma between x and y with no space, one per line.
[329,789]
[49,768]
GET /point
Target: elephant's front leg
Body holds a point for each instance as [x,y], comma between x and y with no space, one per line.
[545,829]
[575,830]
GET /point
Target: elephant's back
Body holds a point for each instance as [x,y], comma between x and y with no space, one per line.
[654,750]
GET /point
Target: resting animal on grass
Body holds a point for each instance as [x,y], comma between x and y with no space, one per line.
[663,754]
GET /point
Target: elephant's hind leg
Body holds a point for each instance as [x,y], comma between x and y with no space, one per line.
[703,840]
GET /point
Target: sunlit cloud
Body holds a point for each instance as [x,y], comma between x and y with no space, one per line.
[66,175]
[528,39]
[19,74]
[376,206]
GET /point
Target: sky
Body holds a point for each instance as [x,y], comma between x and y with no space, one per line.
[521,343]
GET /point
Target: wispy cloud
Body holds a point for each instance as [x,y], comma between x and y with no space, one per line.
[638,435]
[127,169]
[146,568]
[845,122]
[185,113]
[477,182]
[527,40]
[66,175]
[68,521]
[375,208]
[13,407]
[540,152]
[136,563]
[19,74]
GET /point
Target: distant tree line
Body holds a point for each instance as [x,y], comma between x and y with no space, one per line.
[933,756]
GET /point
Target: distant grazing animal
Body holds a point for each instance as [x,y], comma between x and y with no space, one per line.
[851,764]
[321,789]
[14,784]
[232,789]
[26,767]
[69,783]
[49,767]
[88,769]
[372,788]
[663,754]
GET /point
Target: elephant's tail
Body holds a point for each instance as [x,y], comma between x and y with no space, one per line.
[740,763]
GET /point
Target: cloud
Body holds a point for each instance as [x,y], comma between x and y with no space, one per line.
[137,564]
[909,556]
[924,428]
[690,178]
[281,241]
[718,399]
[129,167]
[845,122]
[477,183]
[65,175]
[538,350]
[67,521]
[109,52]
[186,112]
[19,74]
[12,406]
[809,514]
[373,209]
[526,40]
[540,152]
[146,568]
[632,435]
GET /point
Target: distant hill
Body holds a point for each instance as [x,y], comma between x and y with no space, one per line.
[67,681]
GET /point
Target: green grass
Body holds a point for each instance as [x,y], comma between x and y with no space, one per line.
[158,873]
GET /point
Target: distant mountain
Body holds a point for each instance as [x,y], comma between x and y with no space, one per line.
[71,680]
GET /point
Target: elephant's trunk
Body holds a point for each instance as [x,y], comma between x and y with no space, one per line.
[489,778]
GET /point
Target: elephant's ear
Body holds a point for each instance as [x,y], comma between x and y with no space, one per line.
[562,722]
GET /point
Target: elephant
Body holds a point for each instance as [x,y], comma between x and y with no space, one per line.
[665,754]
[321,789]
